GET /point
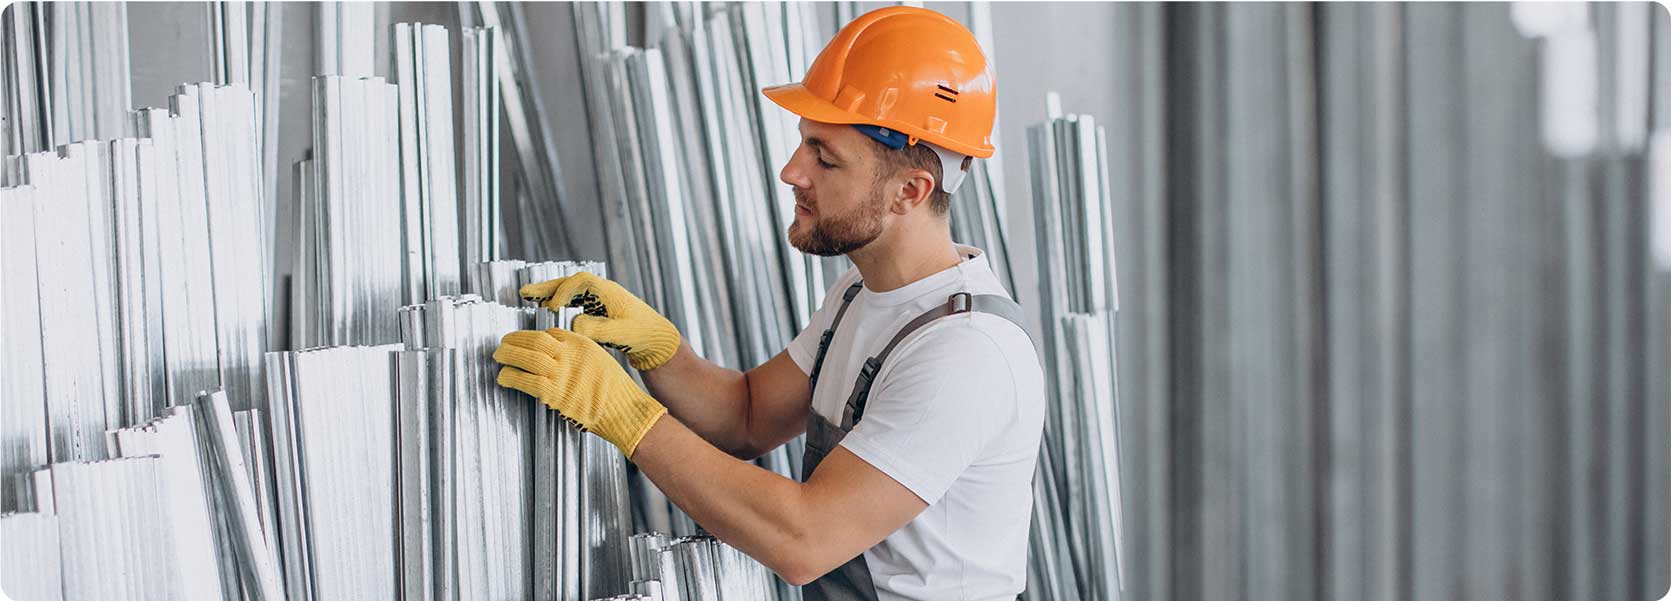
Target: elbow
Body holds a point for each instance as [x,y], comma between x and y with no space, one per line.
[747,448]
[798,560]
[798,570]
[797,578]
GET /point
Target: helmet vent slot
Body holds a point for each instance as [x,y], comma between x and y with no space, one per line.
[944,97]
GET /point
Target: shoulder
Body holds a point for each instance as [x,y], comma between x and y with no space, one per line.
[972,348]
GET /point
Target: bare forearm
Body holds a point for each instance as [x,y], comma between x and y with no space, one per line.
[710,400]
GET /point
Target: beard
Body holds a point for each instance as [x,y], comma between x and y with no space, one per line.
[831,235]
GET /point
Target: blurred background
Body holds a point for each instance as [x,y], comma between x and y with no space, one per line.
[1394,279]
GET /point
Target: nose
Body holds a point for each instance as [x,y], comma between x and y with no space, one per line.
[793,173]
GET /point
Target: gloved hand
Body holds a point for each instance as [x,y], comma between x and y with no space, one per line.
[575,376]
[611,316]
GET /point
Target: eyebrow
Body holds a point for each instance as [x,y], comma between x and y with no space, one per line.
[819,144]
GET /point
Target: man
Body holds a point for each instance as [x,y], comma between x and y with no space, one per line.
[921,396]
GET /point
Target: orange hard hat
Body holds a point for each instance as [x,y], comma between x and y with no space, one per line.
[908,69]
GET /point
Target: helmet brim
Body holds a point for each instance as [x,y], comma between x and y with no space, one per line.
[796,99]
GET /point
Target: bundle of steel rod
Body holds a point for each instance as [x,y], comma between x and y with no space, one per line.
[698,568]
[1077,537]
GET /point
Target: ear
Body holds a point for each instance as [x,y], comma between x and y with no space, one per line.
[915,188]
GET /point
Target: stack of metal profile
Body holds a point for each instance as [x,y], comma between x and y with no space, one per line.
[82,60]
[536,193]
[36,573]
[125,312]
[175,515]
[578,494]
[26,101]
[428,172]
[379,213]
[698,568]
[333,443]
[65,206]
[113,538]
[246,38]
[237,215]
[353,230]
[1077,534]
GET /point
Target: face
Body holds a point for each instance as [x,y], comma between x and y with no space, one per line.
[839,201]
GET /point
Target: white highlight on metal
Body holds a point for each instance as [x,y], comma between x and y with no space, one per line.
[1659,197]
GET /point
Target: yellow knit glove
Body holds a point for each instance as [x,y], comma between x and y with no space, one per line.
[611,316]
[575,376]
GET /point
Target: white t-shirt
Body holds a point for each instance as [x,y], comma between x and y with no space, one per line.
[955,415]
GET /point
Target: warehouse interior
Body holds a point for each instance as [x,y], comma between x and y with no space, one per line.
[1334,300]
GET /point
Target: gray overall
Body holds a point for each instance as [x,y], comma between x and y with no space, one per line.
[851,581]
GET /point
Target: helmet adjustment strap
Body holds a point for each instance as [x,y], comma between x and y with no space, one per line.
[954,166]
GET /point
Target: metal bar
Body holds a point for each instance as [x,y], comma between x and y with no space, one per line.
[255,562]
[23,435]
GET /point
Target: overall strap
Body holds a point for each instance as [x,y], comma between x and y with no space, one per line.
[961,302]
[829,334]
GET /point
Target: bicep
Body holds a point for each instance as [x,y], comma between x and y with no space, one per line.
[780,396]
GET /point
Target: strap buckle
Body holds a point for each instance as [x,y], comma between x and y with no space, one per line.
[960,302]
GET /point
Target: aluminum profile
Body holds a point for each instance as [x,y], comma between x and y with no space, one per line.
[87,50]
[36,575]
[256,562]
[1078,542]
[183,479]
[28,103]
[697,567]
[429,178]
[352,266]
[483,54]
[111,543]
[336,469]
[252,432]
[23,431]
[543,230]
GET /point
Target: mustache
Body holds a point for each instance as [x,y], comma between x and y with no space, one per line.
[801,196]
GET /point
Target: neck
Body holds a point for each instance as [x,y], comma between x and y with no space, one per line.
[898,257]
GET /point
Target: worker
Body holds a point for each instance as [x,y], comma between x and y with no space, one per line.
[919,392]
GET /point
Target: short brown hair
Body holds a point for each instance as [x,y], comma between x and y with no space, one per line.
[916,156]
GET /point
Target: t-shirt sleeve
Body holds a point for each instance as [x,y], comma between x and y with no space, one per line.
[934,411]
[804,348]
